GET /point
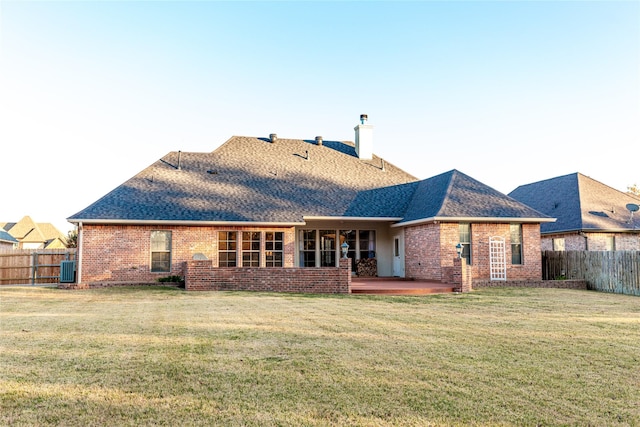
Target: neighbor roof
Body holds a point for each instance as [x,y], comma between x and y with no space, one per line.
[288,181]
[580,203]
[6,237]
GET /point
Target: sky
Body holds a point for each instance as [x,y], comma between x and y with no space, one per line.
[508,92]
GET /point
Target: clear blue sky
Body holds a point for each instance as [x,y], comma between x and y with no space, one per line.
[508,92]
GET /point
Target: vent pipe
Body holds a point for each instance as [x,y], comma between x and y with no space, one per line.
[179,156]
[319,140]
[273,137]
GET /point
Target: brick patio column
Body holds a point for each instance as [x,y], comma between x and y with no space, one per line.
[345,274]
[461,275]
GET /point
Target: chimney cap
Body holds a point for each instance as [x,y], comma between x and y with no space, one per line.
[363,118]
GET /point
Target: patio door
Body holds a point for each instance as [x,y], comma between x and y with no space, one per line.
[398,255]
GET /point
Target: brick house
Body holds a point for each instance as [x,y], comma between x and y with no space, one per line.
[591,216]
[263,210]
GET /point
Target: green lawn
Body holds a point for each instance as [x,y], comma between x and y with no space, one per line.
[533,357]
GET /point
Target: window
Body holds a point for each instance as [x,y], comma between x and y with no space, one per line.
[327,248]
[367,243]
[160,251]
[610,243]
[227,248]
[465,241]
[558,244]
[251,249]
[516,243]
[274,248]
[308,248]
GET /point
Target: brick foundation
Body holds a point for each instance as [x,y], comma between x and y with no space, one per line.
[561,284]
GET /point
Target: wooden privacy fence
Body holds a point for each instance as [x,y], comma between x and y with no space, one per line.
[614,271]
[32,266]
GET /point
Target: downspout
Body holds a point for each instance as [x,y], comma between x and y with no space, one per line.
[79,270]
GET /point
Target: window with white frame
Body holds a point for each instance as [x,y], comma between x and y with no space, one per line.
[160,251]
[307,248]
[251,248]
[558,244]
[227,247]
[274,248]
[464,230]
[327,248]
[516,243]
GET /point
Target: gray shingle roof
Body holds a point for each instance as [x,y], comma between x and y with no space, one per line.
[255,180]
[579,203]
[456,195]
[6,237]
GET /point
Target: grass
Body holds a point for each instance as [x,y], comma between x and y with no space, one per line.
[535,357]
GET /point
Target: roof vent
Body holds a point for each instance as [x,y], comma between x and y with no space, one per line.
[318,140]
[273,137]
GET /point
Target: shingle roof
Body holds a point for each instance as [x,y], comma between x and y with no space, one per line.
[6,237]
[251,179]
[579,203]
[22,227]
[456,195]
[255,180]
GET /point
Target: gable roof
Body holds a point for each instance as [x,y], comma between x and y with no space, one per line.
[23,227]
[289,181]
[580,203]
[28,230]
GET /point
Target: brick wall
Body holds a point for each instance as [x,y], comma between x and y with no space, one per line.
[114,253]
[430,250]
[203,276]
[422,252]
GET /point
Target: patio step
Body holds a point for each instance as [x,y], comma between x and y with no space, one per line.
[404,291]
[397,286]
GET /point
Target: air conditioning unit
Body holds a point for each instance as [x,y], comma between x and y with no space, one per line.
[67,271]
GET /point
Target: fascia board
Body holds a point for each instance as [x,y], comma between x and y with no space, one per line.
[187,223]
[351,218]
[474,220]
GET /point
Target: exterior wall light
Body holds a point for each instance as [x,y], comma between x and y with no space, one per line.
[459,250]
[345,249]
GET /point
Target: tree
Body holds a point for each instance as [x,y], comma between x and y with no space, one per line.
[72,239]
[634,189]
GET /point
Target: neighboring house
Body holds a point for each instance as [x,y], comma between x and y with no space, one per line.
[263,203]
[32,235]
[590,215]
[7,241]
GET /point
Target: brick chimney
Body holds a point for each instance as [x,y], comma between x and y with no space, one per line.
[364,139]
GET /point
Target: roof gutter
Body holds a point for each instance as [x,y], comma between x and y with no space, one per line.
[182,222]
[592,230]
[473,219]
[352,218]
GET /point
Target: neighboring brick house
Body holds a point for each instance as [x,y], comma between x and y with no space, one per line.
[256,204]
[590,215]
[32,235]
